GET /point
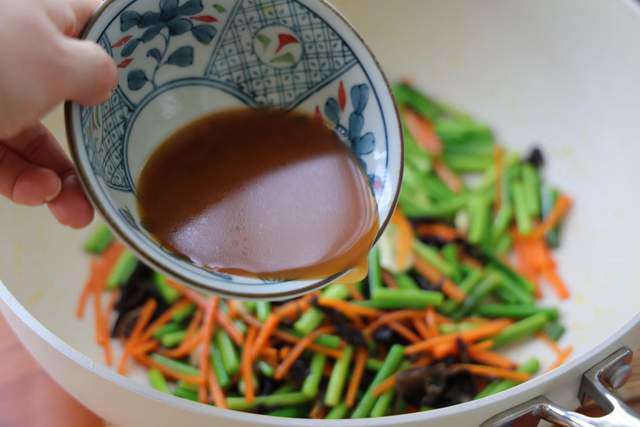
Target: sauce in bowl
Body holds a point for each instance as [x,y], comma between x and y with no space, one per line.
[259,193]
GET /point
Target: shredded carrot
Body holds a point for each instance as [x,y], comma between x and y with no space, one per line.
[208,329]
[215,391]
[100,321]
[356,377]
[354,292]
[144,347]
[294,308]
[233,308]
[491,358]
[163,319]
[384,386]
[270,325]
[284,352]
[287,337]
[441,231]
[445,349]
[191,339]
[561,359]
[404,239]
[247,365]
[549,342]
[422,362]
[421,327]
[391,317]
[484,345]
[149,362]
[560,209]
[348,309]
[404,332]
[226,324]
[432,323]
[491,372]
[188,293]
[297,351]
[471,262]
[424,133]
[434,276]
[100,269]
[559,286]
[319,411]
[142,321]
[450,178]
[487,330]
[388,280]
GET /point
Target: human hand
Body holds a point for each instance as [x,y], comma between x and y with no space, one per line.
[42,66]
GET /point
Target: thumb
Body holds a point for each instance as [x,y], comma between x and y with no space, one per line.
[91,74]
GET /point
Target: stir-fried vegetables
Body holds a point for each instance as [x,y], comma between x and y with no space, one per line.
[452,282]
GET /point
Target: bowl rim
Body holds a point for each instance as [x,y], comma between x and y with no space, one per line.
[125,235]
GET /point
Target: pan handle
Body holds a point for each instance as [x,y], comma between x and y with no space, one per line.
[598,384]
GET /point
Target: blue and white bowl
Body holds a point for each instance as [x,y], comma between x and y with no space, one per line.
[182,59]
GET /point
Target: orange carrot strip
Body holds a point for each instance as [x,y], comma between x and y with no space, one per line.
[318,411]
[442,231]
[247,365]
[384,386]
[163,319]
[226,324]
[434,276]
[208,328]
[432,323]
[388,280]
[100,269]
[422,362]
[149,362]
[562,358]
[284,352]
[491,372]
[404,332]
[297,351]
[294,308]
[348,308]
[215,391]
[354,293]
[270,325]
[391,317]
[331,352]
[560,209]
[356,377]
[491,358]
[450,178]
[421,327]
[191,339]
[487,330]
[145,347]
[423,131]
[559,286]
[233,308]
[189,294]
[141,323]
[404,239]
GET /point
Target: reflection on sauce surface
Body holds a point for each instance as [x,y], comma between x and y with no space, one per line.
[259,193]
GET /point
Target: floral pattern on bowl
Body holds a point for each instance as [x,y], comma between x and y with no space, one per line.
[181,59]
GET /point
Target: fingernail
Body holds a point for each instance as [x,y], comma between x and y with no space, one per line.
[56,193]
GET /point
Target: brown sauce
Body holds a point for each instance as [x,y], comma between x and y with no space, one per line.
[259,193]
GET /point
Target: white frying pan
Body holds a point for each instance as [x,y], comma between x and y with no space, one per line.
[560,72]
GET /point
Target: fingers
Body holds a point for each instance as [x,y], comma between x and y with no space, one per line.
[82,10]
[35,170]
[38,146]
[91,74]
[26,183]
[71,207]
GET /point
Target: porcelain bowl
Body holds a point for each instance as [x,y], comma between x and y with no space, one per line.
[182,59]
